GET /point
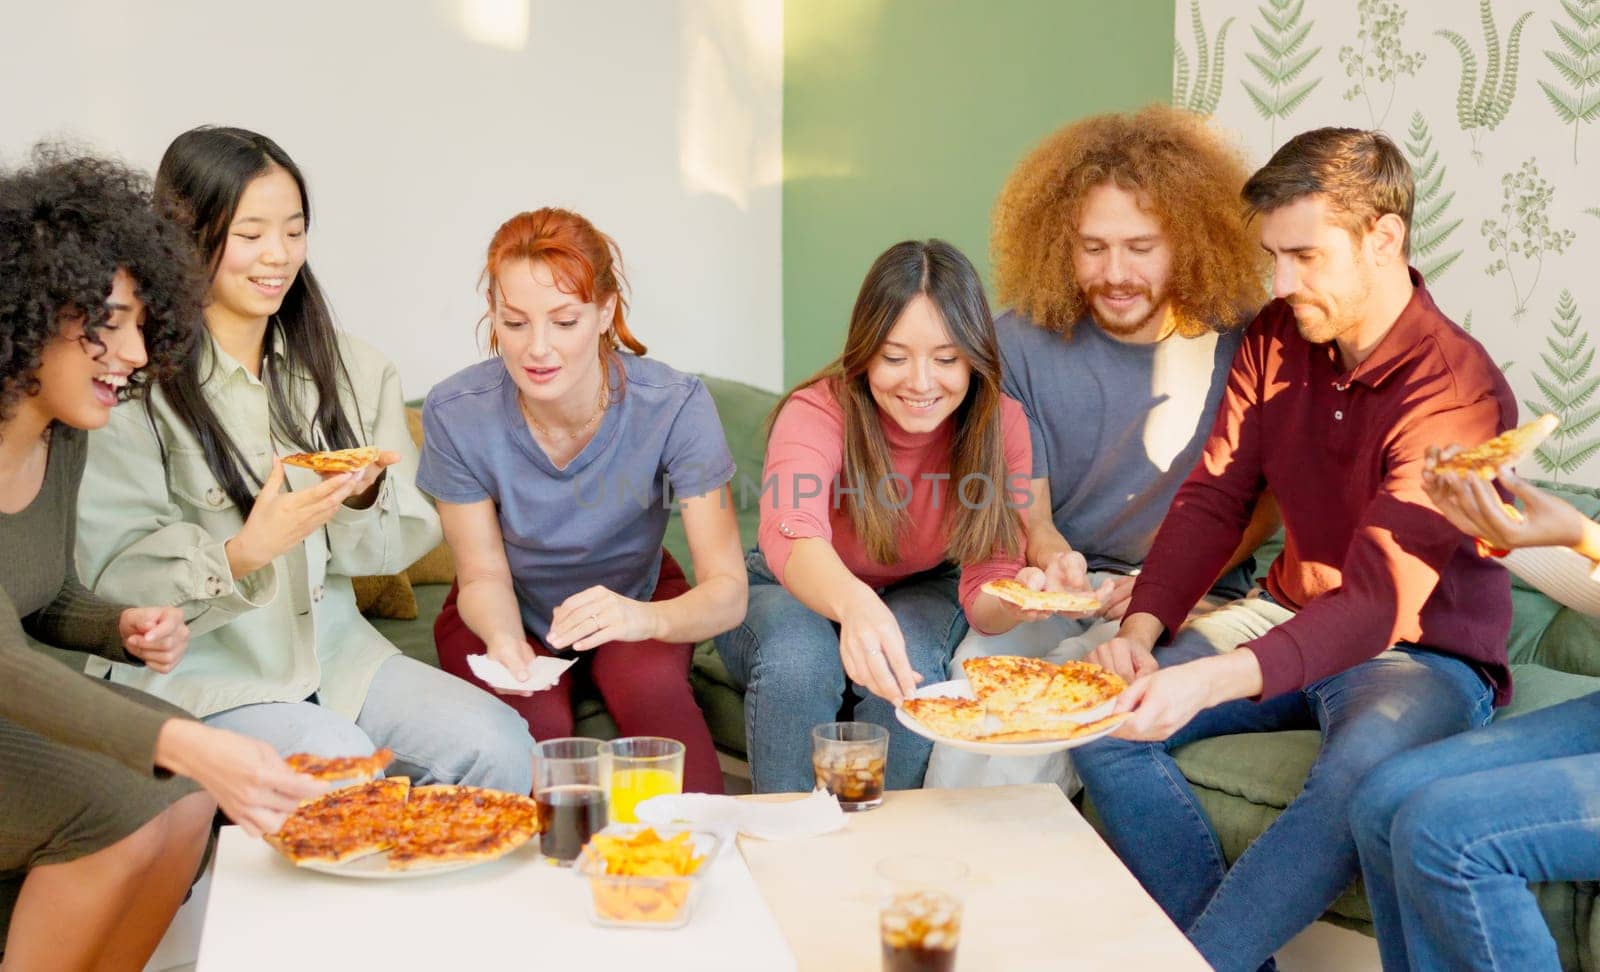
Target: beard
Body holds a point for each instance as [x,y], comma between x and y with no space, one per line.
[1126,324]
[1321,320]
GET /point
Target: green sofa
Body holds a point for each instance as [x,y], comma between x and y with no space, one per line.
[1243,782]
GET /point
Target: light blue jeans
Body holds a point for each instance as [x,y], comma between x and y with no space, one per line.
[1238,917]
[1452,834]
[786,658]
[442,729]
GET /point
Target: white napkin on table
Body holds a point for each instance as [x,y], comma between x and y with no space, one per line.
[810,816]
[543,673]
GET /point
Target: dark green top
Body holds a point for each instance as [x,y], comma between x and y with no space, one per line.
[40,594]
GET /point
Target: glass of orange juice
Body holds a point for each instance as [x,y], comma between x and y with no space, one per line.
[642,767]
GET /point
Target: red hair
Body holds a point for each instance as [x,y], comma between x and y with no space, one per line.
[584,262]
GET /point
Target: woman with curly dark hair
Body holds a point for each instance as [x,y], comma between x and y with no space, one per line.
[192,507]
[98,296]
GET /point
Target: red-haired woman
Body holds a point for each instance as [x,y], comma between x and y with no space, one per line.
[549,464]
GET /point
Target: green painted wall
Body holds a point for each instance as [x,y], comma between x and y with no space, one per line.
[902,118]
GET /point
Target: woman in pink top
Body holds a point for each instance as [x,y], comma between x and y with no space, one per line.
[894,465]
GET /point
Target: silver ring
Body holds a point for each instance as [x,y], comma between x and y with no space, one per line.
[594,619]
[874,650]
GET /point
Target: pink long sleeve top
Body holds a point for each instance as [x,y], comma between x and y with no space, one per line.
[802,493]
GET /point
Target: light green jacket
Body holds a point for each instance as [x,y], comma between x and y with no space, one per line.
[151,532]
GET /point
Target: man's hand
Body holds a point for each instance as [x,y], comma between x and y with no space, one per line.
[1166,700]
[156,636]
[1069,572]
[1129,653]
[1128,657]
[1116,604]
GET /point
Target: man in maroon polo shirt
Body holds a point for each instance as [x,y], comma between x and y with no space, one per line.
[1380,625]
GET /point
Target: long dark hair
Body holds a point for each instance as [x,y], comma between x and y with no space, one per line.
[204,172]
[943,273]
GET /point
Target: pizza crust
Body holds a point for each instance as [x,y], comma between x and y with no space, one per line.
[330,768]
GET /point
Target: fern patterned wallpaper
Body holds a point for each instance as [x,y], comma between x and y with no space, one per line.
[1495,103]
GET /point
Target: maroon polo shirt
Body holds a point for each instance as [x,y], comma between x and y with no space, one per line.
[1368,561]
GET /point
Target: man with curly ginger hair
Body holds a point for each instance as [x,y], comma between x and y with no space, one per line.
[1380,628]
[1122,249]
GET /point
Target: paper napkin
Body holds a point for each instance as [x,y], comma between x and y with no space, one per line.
[543,673]
[810,816]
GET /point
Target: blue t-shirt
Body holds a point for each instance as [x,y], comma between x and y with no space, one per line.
[1116,429]
[601,519]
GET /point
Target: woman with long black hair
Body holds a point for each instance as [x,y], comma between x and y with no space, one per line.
[188,504]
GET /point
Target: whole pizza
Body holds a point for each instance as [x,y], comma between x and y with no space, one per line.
[1021,699]
[419,827]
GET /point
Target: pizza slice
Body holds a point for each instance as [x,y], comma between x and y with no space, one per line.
[1059,732]
[1004,682]
[330,768]
[344,824]
[1015,592]
[945,716]
[1506,449]
[340,461]
[448,824]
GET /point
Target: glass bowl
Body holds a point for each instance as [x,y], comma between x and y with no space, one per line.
[640,901]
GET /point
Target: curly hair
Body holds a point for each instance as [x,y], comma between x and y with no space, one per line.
[68,222]
[1184,172]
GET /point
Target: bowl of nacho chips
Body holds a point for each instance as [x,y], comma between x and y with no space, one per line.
[645,877]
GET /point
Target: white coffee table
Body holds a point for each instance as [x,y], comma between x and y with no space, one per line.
[1046,894]
[1046,891]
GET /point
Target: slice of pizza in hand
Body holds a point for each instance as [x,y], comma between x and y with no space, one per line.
[1003,682]
[1506,449]
[329,768]
[1013,591]
[340,461]
[950,717]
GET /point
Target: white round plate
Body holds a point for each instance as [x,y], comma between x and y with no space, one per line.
[958,688]
[375,867]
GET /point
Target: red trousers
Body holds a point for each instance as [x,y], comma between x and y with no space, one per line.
[645,685]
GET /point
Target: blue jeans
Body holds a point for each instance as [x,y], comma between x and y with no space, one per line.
[442,729]
[1452,834]
[786,658]
[1238,917]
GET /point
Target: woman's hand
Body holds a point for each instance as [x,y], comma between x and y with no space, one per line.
[365,489]
[874,651]
[597,616]
[251,783]
[1472,505]
[281,519]
[156,636]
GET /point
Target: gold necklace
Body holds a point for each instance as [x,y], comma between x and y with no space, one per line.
[599,410]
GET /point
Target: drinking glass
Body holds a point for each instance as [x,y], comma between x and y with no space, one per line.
[571,777]
[848,760]
[920,901]
[642,767]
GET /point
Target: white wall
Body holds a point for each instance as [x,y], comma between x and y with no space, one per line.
[422,124]
[1392,64]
